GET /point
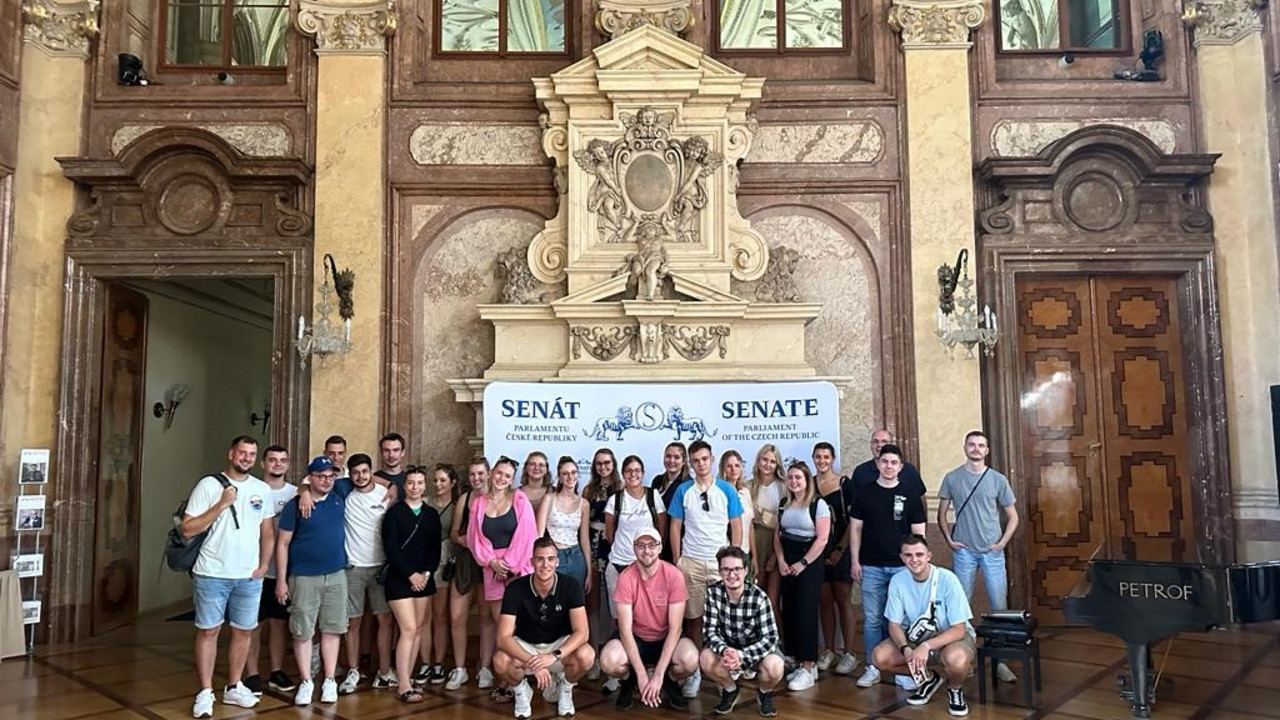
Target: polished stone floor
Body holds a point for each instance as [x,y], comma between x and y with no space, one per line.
[145,671]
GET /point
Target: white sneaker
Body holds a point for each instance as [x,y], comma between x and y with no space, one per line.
[240,695]
[692,685]
[825,659]
[1005,674]
[484,679]
[329,691]
[203,706]
[457,678]
[848,663]
[349,683]
[906,682]
[305,689]
[564,706]
[870,677]
[594,672]
[552,692]
[804,679]
[524,699]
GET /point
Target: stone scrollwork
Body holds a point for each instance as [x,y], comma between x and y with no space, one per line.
[519,287]
[1222,22]
[356,28]
[617,17]
[649,342]
[936,23]
[604,344]
[695,344]
[60,29]
[648,172]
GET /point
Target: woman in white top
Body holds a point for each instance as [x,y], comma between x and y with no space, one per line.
[731,472]
[630,510]
[804,524]
[767,484]
[564,515]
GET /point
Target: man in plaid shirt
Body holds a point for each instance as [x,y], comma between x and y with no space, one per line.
[740,635]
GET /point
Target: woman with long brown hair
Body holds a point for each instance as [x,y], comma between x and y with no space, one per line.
[605,481]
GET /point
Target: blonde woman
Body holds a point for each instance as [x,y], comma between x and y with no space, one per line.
[767,483]
[804,525]
[535,478]
[731,467]
[565,516]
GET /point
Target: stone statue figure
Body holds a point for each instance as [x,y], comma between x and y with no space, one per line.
[605,196]
[519,287]
[647,268]
[691,197]
[779,282]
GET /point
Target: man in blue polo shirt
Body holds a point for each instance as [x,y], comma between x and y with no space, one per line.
[706,515]
[311,562]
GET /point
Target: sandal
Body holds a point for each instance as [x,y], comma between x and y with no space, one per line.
[410,696]
[502,695]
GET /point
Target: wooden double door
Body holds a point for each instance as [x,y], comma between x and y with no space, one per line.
[1104,428]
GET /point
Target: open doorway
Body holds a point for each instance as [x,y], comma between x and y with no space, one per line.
[186,365]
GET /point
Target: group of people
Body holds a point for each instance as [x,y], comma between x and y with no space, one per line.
[654,585]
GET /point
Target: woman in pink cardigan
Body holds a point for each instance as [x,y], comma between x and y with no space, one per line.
[501,533]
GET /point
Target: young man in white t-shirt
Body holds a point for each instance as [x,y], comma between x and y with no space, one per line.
[706,515]
[367,503]
[275,466]
[227,578]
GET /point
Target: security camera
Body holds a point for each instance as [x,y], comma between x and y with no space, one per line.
[226,78]
[1066,60]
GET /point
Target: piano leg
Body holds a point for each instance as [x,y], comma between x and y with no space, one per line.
[1139,657]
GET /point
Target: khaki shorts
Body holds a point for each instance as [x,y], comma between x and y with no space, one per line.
[697,575]
[318,600]
[362,581]
[967,644]
[545,649]
[764,546]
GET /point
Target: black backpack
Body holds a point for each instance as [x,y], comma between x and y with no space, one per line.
[181,553]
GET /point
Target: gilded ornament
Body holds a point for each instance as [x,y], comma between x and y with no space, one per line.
[941,24]
[60,29]
[352,29]
[1222,22]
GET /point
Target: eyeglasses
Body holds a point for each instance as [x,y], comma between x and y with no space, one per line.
[648,546]
[633,472]
[706,502]
[738,570]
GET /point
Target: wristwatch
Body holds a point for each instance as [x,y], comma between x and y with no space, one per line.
[804,561]
[556,653]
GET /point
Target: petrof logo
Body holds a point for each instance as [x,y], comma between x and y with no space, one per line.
[649,417]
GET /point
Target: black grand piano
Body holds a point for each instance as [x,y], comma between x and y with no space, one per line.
[1145,602]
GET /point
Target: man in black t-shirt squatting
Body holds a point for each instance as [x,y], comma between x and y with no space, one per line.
[543,632]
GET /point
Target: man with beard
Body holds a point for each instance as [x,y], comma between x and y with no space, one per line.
[650,597]
[226,582]
[741,635]
[335,448]
[275,462]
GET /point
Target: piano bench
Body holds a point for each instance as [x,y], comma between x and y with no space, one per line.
[1028,655]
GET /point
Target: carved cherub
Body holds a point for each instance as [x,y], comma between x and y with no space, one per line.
[647,268]
[605,196]
[647,123]
[692,195]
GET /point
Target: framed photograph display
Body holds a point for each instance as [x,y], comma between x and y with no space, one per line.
[30,612]
[34,466]
[30,515]
[29,566]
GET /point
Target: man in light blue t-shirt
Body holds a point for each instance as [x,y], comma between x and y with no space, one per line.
[706,515]
[928,616]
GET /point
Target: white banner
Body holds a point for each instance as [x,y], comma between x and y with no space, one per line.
[577,419]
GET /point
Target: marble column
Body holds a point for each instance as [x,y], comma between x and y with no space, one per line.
[935,45]
[1233,90]
[56,39]
[350,220]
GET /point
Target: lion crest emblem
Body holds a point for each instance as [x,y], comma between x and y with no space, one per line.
[676,420]
[618,424]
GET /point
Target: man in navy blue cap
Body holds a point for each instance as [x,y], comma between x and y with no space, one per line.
[311,561]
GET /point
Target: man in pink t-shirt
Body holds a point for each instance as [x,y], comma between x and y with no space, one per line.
[646,651]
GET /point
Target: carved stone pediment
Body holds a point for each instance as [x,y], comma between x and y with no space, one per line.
[186,185]
[1101,179]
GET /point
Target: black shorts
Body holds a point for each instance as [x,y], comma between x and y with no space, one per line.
[270,608]
[650,650]
[841,572]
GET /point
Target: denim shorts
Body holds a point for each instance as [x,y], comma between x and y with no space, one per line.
[235,601]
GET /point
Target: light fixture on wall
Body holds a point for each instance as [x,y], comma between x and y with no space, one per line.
[959,322]
[173,397]
[264,418]
[324,337]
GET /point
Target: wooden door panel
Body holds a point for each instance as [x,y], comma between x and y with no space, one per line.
[1145,428]
[1060,427]
[115,556]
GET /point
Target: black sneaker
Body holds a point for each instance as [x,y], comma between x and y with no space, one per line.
[280,682]
[421,677]
[955,702]
[254,683]
[925,690]
[675,697]
[728,700]
[626,692]
[437,675]
[766,704]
